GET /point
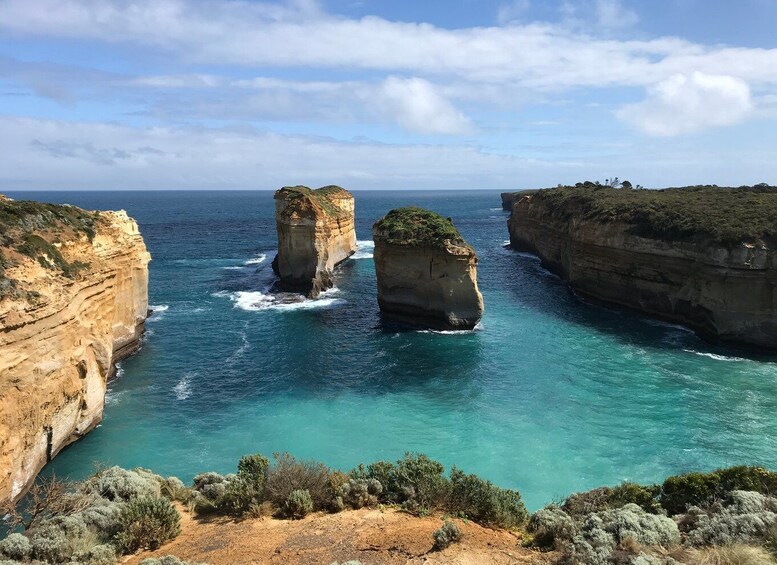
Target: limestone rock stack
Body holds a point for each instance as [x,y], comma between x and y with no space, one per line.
[315,232]
[73,300]
[426,272]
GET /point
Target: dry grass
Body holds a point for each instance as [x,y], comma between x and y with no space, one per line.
[728,555]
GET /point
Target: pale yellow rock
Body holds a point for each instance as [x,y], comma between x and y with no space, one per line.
[727,294]
[58,349]
[315,233]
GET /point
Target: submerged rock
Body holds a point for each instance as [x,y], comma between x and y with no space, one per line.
[427,273]
[315,233]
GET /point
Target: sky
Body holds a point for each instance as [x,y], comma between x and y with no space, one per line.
[386,94]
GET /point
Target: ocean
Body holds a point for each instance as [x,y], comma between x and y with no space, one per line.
[550,395]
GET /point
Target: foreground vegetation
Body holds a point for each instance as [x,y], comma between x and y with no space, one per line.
[727,516]
[416,226]
[727,215]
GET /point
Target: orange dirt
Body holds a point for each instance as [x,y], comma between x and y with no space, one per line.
[371,536]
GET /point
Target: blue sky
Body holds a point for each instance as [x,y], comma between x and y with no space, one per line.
[433,94]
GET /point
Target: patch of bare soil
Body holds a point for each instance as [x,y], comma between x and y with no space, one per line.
[371,536]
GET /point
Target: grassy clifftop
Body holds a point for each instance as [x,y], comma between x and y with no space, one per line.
[300,199]
[728,215]
[416,226]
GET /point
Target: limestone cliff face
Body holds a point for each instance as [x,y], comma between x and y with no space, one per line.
[426,277]
[315,232]
[73,301]
[507,200]
[725,292]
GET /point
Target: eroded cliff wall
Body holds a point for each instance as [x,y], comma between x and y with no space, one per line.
[724,290]
[315,232]
[73,302]
[426,273]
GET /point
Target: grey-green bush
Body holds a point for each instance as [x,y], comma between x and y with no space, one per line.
[358,493]
[146,523]
[103,554]
[119,484]
[744,517]
[419,483]
[298,504]
[447,535]
[288,474]
[551,527]
[16,546]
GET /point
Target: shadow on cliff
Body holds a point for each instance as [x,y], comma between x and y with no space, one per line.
[539,289]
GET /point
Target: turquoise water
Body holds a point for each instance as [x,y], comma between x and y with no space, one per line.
[551,396]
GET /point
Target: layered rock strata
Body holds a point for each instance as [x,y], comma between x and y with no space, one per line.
[704,258]
[73,299]
[426,272]
[315,232]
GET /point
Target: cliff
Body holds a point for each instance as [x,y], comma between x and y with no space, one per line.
[315,233]
[508,198]
[700,256]
[73,298]
[427,273]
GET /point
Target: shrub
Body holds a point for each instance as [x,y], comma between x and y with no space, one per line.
[415,226]
[744,517]
[16,546]
[103,554]
[298,504]
[481,501]
[120,484]
[147,523]
[49,543]
[384,472]
[551,527]
[698,489]
[447,535]
[174,489]
[419,483]
[253,470]
[358,493]
[288,474]
[607,498]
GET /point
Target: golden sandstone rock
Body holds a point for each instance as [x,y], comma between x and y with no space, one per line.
[315,232]
[73,299]
[427,273]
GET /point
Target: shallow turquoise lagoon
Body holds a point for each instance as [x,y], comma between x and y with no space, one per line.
[550,396]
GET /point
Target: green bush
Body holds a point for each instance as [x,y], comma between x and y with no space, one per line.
[481,501]
[146,523]
[551,528]
[607,498]
[288,474]
[447,535]
[253,470]
[419,483]
[298,504]
[416,226]
[103,554]
[697,489]
[358,493]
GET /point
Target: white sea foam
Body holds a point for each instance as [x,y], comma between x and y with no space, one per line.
[261,258]
[157,312]
[183,388]
[495,209]
[113,398]
[478,327]
[364,250]
[714,356]
[257,301]
[245,346]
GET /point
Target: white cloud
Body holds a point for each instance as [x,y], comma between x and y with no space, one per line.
[512,11]
[689,103]
[417,105]
[612,14]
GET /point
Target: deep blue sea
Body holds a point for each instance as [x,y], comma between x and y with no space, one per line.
[551,395]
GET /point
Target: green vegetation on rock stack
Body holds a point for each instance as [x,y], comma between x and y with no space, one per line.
[416,226]
[727,215]
[321,196]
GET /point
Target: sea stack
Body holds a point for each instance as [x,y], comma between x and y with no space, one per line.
[315,232]
[427,273]
[73,300]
